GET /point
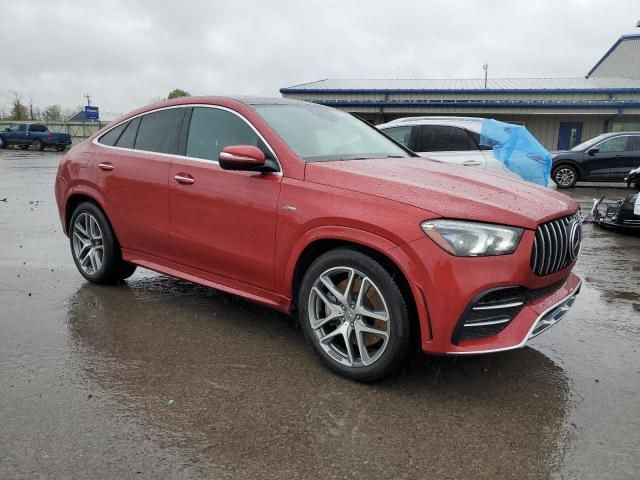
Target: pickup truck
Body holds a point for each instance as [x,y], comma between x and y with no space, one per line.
[33,135]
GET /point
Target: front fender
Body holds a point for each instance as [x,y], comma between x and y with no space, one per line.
[328,232]
[390,250]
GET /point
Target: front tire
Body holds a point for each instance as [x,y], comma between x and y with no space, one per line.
[94,247]
[3,143]
[565,176]
[354,315]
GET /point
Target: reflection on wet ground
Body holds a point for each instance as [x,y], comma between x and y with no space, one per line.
[159,378]
[240,379]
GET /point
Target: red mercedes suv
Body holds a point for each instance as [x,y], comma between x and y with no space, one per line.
[308,209]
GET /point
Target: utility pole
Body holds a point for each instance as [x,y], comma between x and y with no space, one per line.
[88,97]
[485,67]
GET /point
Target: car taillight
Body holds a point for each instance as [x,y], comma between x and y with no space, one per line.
[50,136]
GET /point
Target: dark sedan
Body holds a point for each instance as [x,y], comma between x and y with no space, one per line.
[606,158]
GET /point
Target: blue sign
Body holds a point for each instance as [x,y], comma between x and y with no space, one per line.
[91,113]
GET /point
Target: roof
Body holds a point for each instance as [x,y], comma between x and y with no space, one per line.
[471,123]
[252,100]
[105,117]
[623,58]
[469,85]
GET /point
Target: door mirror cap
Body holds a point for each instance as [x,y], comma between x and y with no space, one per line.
[593,151]
[243,157]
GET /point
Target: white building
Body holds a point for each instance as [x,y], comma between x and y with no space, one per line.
[560,112]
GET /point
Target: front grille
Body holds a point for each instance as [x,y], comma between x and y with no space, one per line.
[556,245]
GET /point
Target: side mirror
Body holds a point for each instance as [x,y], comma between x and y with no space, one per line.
[593,151]
[7,129]
[243,157]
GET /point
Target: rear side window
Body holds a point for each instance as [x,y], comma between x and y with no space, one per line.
[399,134]
[158,131]
[111,137]
[633,144]
[212,129]
[38,128]
[441,138]
[128,137]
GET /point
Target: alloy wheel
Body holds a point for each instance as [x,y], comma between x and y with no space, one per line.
[565,177]
[349,316]
[88,244]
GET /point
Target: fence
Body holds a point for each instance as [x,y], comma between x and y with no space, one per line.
[79,131]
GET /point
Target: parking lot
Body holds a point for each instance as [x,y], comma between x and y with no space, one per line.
[160,378]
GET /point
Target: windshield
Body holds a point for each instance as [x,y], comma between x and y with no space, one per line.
[317,133]
[588,143]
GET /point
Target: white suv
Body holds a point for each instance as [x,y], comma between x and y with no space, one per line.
[447,139]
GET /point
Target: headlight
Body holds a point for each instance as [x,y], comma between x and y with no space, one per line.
[470,239]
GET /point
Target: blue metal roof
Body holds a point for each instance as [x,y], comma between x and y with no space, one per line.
[577,85]
[481,104]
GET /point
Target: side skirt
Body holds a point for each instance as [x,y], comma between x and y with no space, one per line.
[217,282]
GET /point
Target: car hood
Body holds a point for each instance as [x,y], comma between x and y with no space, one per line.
[446,190]
[565,153]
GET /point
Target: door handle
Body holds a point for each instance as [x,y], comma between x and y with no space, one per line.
[184,178]
[105,166]
[471,163]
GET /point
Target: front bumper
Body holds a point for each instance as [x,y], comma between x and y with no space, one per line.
[545,320]
[449,286]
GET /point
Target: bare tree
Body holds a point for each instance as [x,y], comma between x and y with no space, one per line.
[18,109]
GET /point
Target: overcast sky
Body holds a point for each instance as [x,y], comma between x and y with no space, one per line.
[126,53]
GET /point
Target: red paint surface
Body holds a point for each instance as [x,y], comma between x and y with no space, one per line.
[237,231]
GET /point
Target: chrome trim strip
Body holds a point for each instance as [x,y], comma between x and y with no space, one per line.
[194,159]
[489,322]
[496,307]
[528,336]
[183,179]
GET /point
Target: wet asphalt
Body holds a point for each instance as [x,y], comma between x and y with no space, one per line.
[160,378]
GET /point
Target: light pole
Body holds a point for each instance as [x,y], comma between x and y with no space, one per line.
[485,67]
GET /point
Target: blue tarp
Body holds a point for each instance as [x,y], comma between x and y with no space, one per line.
[518,150]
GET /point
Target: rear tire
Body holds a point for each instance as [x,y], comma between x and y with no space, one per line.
[565,176]
[3,143]
[94,247]
[61,148]
[37,145]
[346,326]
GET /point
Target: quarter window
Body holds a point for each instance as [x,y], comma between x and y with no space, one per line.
[111,137]
[615,144]
[212,129]
[128,137]
[158,131]
[399,134]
